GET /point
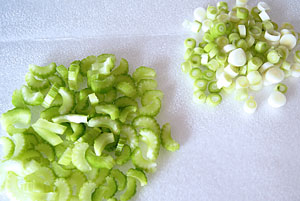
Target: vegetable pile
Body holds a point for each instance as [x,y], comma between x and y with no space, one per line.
[239,51]
[91,126]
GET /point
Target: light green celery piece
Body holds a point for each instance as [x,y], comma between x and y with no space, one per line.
[46,150]
[17,99]
[124,156]
[152,109]
[110,109]
[42,175]
[76,180]
[86,191]
[103,161]
[143,73]
[49,113]
[8,147]
[43,71]
[12,189]
[53,127]
[153,142]
[78,157]
[151,95]
[106,191]
[63,73]
[75,118]
[63,189]
[106,122]
[122,68]
[140,162]
[34,83]
[50,97]
[103,140]
[131,135]
[47,135]
[60,171]
[105,67]
[66,157]
[145,85]
[86,64]
[130,189]
[73,75]
[16,120]
[120,178]
[138,175]
[125,112]
[68,100]
[146,122]
[166,139]
[126,89]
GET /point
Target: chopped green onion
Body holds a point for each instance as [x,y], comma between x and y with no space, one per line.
[190,43]
[281,88]
[250,105]
[277,99]
[214,99]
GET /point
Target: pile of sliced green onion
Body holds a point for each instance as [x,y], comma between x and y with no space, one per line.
[239,51]
[91,125]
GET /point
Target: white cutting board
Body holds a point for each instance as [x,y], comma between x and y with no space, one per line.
[225,155]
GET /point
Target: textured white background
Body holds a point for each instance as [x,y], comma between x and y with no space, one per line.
[225,155]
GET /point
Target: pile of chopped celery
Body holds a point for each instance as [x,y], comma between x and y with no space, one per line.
[239,51]
[96,119]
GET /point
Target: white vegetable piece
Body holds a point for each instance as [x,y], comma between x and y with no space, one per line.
[277,99]
[254,77]
[250,106]
[257,87]
[241,3]
[241,82]
[200,14]
[262,6]
[206,25]
[237,57]
[243,31]
[228,48]
[231,71]
[265,67]
[219,72]
[274,75]
[295,69]
[273,36]
[224,80]
[204,59]
[285,31]
[288,40]
[187,24]
[264,16]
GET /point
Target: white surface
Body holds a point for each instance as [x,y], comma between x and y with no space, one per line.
[225,154]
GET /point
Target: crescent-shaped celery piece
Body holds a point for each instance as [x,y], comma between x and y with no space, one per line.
[17,116]
[106,191]
[34,83]
[59,171]
[56,79]
[125,113]
[151,95]
[17,99]
[101,142]
[130,189]
[53,127]
[74,118]
[42,71]
[122,68]
[102,174]
[50,113]
[73,75]
[143,73]
[124,156]
[120,178]
[104,68]
[103,161]
[46,150]
[86,191]
[145,85]
[125,101]
[152,141]
[146,122]
[12,189]
[106,122]
[63,189]
[124,78]
[68,100]
[51,95]
[130,134]
[78,131]
[63,73]
[140,162]
[138,175]
[66,157]
[47,135]
[127,89]
[8,147]
[110,109]
[86,64]
[78,157]
[42,175]
[20,144]
[103,85]
[166,139]
[152,109]
[76,181]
